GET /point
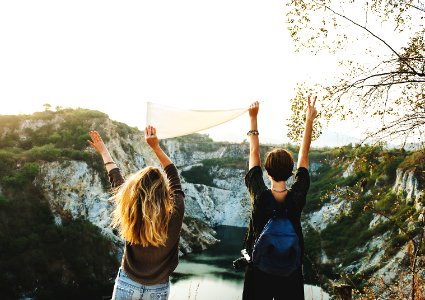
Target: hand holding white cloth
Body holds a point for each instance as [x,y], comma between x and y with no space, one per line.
[172,122]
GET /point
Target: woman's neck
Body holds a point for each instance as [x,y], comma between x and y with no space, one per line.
[278,185]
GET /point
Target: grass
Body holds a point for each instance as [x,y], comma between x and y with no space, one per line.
[350,232]
[326,179]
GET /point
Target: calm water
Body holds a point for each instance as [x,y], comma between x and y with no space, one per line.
[209,275]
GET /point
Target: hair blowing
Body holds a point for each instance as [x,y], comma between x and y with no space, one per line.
[279,164]
[143,208]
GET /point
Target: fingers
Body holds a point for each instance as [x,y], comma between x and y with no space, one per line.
[91,133]
[254,105]
[90,143]
[95,136]
[150,131]
[314,101]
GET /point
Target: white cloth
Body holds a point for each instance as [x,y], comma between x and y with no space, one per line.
[172,122]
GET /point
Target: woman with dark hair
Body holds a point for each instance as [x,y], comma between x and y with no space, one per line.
[279,164]
[149,214]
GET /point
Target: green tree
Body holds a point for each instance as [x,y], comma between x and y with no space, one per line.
[47,107]
[391,87]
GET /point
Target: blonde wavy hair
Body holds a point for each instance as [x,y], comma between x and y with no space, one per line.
[143,208]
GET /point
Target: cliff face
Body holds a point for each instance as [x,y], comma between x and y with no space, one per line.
[365,224]
[76,189]
[224,200]
[407,182]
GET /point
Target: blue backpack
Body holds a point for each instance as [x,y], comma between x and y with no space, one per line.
[277,250]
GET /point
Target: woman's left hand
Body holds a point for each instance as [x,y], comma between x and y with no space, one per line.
[311,111]
[150,137]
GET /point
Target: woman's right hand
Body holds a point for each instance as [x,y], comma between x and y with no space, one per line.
[253,109]
[97,142]
[150,137]
[153,142]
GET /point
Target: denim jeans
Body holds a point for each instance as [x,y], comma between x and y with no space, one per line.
[127,289]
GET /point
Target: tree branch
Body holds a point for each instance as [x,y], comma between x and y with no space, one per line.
[393,83]
[374,35]
[416,7]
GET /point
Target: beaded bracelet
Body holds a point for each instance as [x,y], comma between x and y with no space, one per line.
[253,132]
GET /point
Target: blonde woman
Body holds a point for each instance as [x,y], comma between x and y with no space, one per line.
[149,214]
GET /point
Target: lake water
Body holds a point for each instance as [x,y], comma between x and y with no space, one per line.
[209,275]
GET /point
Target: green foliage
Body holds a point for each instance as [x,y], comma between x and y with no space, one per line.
[2,199]
[198,174]
[46,261]
[312,242]
[312,246]
[195,138]
[296,122]
[204,174]
[61,140]
[43,260]
[326,179]
[46,152]
[6,161]
[416,161]
[70,129]
[226,162]
[197,142]
[124,130]
[387,203]
[88,114]
[21,176]
[340,238]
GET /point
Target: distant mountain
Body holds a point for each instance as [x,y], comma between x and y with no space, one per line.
[334,139]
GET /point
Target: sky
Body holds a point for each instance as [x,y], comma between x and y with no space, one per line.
[115,56]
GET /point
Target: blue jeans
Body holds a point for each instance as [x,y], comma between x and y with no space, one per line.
[127,289]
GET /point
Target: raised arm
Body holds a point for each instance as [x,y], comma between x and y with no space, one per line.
[114,173]
[305,145]
[153,142]
[98,145]
[254,143]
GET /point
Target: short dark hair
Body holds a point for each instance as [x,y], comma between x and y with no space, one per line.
[279,164]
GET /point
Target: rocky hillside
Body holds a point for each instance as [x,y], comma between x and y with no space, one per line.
[363,210]
[365,215]
[51,183]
